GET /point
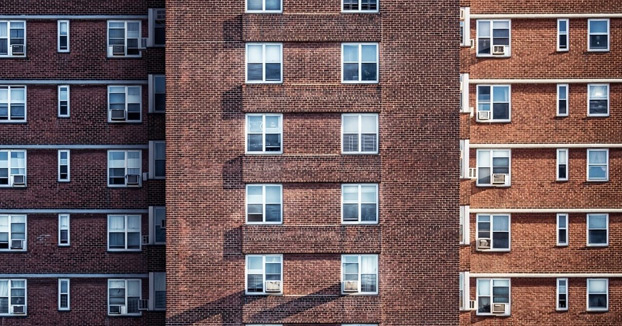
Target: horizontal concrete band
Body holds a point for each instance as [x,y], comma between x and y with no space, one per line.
[543,16]
[70,17]
[545,210]
[74,275]
[535,146]
[72,211]
[544,275]
[60,146]
[546,81]
[70,82]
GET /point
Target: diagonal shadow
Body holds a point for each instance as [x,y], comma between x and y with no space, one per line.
[225,307]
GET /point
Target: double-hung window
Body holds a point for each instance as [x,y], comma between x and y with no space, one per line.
[157,291]
[562,230]
[597,230]
[264,204]
[124,39]
[63,165]
[13,298]
[63,101]
[124,103]
[494,103]
[359,62]
[12,39]
[124,168]
[597,165]
[12,168]
[12,104]
[157,93]
[562,164]
[124,297]
[359,274]
[597,294]
[63,36]
[493,38]
[264,274]
[493,167]
[13,233]
[267,6]
[562,294]
[562,100]
[493,232]
[157,159]
[598,35]
[359,133]
[598,100]
[264,133]
[359,203]
[493,297]
[359,5]
[64,234]
[124,233]
[157,225]
[264,63]
[157,27]
[562,35]
[63,295]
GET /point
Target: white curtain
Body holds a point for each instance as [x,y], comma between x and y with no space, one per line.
[133,223]
[116,223]
[4,289]
[3,30]
[369,265]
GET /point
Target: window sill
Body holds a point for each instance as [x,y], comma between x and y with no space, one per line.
[124,251]
[492,186]
[359,223]
[492,315]
[124,186]
[598,115]
[359,294]
[347,82]
[493,250]
[263,11]
[490,56]
[9,251]
[13,315]
[597,181]
[125,57]
[360,11]
[13,122]
[493,121]
[125,122]
[265,294]
[596,245]
[264,153]
[264,82]
[597,310]
[126,315]
[598,51]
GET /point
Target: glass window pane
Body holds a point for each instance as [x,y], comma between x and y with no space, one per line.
[369,53]
[368,194]
[501,223]
[253,4]
[255,54]
[483,28]
[483,93]
[598,26]
[598,92]
[369,123]
[273,53]
[350,123]
[597,286]
[597,222]
[254,194]
[598,157]
[255,263]
[273,4]
[350,53]
[273,194]
[501,94]
[483,287]
[350,194]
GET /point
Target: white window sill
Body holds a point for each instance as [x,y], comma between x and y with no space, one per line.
[264,11]
[589,245]
[264,82]
[13,122]
[359,82]
[125,57]
[493,121]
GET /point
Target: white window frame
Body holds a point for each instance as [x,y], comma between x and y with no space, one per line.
[361,10]
[59,23]
[606,165]
[263,267]
[508,181]
[263,49]
[587,303]
[61,228]
[125,232]
[9,120]
[464,93]
[587,233]
[127,87]
[140,287]
[360,133]
[152,15]
[492,248]
[60,293]
[152,224]
[68,90]
[140,36]
[566,94]
[360,203]
[559,242]
[465,222]
[10,218]
[589,98]
[566,34]
[559,292]
[68,152]
[492,104]
[589,33]
[152,290]
[10,184]
[10,287]
[464,158]
[140,173]
[465,287]
[491,280]
[561,162]
[263,8]
[263,132]
[360,281]
[490,55]
[465,25]
[152,159]
[360,64]
[8,38]
[264,202]
[152,92]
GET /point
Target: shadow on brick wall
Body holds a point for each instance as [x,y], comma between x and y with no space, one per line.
[232,174]
[232,104]
[232,31]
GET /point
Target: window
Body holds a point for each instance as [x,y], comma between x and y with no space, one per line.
[497,161]
[12,38]
[493,296]
[124,297]
[13,233]
[124,168]
[562,100]
[465,26]
[464,232]
[562,230]
[359,133]
[493,232]
[493,38]
[494,103]
[63,294]
[359,203]
[63,230]
[562,35]
[13,298]
[562,164]
[12,103]
[157,93]
[562,294]
[598,35]
[359,62]
[264,5]
[264,133]
[12,168]
[264,204]
[124,103]
[63,165]
[124,38]
[157,27]
[464,159]
[597,165]
[359,5]
[157,222]
[597,294]
[157,159]
[264,274]
[464,291]
[264,63]
[157,291]
[63,36]
[464,93]
[359,274]
[598,100]
[124,233]
[597,230]
[63,101]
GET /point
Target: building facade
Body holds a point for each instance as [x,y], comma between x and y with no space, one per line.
[82,159]
[541,163]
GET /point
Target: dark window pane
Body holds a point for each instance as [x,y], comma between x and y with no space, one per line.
[63,42]
[160,102]
[63,236]
[562,171]
[368,212]
[351,71]
[369,4]
[563,41]
[599,42]
[133,240]
[562,107]
[160,35]
[116,240]
[273,5]
[253,4]
[255,72]
[350,143]
[160,234]
[369,143]
[255,143]
[255,213]
[4,47]
[501,165]
[598,301]
[369,71]
[273,213]
[483,46]
[4,305]
[562,236]
[501,240]
[483,175]
[501,111]
[132,305]
[350,212]
[160,168]
[17,112]
[255,283]
[484,304]
[598,106]
[350,4]
[562,301]
[598,236]
[273,71]
[368,283]
[500,33]
[273,142]
[484,230]
[501,294]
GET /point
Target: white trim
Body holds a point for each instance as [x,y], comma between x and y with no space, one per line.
[126,103]
[465,216]
[360,203]
[60,281]
[72,211]
[558,163]
[10,287]
[85,147]
[466,20]
[464,88]
[59,22]
[152,159]
[567,95]
[492,249]
[557,293]
[464,159]
[140,166]
[492,104]
[72,17]
[68,88]
[589,98]
[360,11]
[567,34]
[587,231]
[263,201]
[589,33]
[544,275]
[545,210]
[39,276]
[263,268]
[60,217]
[360,133]
[263,64]
[546,81]
[587,161]
[534,146]
[60,151]
[263,133]
[72,82]
[360,64]
[466,288]
[491,37]
[10,106]
[360,280]
[558,228]
[587,295]
[10,234]
[508,308]
[544,16]
[508,180]
[263,8]
[125,233]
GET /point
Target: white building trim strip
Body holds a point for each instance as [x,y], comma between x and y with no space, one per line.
[544,210]
[542,16]
[72,211]
[74,275]
[545,275]
[545,81]
[536,146]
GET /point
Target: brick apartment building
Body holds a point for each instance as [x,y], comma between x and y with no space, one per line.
[541,162]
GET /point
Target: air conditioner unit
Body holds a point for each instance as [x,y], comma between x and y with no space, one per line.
[499,179]
[19,180]
[143,304]
[17,244]
[483,115]
[116,50]
[273,286]
[117,114]
[483,244]
[117,310]
[498,308]
[473,173]
[19,310]
[133,179]
[472,304]
[351,286]
[145,239]
[17,49]
[498,50]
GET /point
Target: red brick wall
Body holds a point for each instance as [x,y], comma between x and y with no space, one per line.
[55,7]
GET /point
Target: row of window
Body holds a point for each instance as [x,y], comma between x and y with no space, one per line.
[276,6]
[493,296]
